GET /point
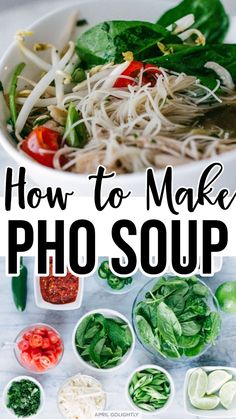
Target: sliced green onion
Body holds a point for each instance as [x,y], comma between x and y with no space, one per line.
[78,135]
[12,93]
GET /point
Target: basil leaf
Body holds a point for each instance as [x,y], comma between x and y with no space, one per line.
[107,41]
[210,17]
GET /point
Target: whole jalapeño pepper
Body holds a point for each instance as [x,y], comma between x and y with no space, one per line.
[19,287]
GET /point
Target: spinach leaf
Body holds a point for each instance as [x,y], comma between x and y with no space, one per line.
[197,306]
[201,290]
[190,328]
[107,41]
[149,312]
[192,60]
[146,332]
[188,341]
[187,315]
[210,17]
[211,327]
[196,350]
[169,350]
[168,324]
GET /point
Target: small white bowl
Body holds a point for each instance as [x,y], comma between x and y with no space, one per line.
[172,390]
[102,283]
[19,378]
[41,303]
[71,378]
[112,315]
[220,411]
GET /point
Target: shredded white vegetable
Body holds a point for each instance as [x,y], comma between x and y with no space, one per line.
[40,88]
[222,72]
[182,24]
[58,78]
[81,397]
[34,58]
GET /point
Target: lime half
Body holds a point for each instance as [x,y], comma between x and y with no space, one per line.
[206,403]
[197,385]
[216,379]
[227,394]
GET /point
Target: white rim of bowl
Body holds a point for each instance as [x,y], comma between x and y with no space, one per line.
[172,388]
[71,378]
[113,314]
[20,378]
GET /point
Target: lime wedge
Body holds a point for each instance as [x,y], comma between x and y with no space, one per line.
[197,385]
[216,379]
[227,394]
[206,403]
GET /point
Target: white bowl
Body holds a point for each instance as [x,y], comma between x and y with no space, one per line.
[102,282]
[220,411]
[172,390]
[95,11]
[113,315]
[40,302]
[19,378]
[71,378]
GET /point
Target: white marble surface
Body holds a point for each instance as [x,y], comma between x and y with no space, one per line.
[11,322]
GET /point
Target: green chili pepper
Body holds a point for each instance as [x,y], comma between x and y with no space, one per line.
[102,273]
[77,136]
[12,93]
[19,287]
[115,282]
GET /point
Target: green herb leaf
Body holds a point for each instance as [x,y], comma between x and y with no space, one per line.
[210,17]
[24,398]
[107,41]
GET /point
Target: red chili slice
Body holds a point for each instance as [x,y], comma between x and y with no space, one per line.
[46,343]
[36,341]
[26,357]
[27,335]
[36,353]
[45,362]
[52,357]
[54,338]
[23,345]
